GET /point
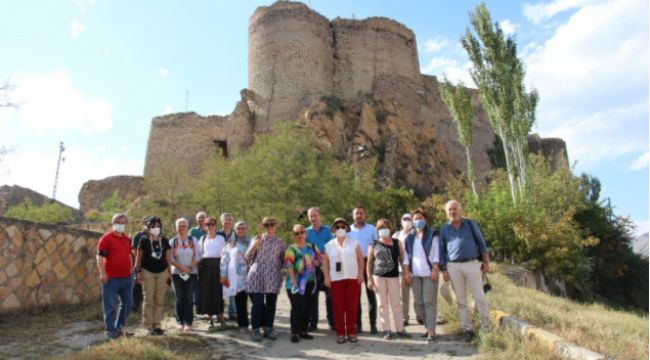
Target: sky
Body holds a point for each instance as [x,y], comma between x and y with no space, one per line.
[93,73]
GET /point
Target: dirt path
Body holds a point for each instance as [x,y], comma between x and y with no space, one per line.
[231,344]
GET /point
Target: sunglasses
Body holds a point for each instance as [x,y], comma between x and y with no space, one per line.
[154,226]
[340,227]
[299,233]
[211,225]
[268,225]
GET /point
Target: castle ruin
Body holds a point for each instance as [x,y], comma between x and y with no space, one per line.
[354,83]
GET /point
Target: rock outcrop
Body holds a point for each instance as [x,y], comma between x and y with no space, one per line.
[14,195]
[94,192]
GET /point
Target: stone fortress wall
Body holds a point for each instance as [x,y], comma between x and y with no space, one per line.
[299,61]
[42,264]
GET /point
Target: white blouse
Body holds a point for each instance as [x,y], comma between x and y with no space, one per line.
[345,254]
[212,247]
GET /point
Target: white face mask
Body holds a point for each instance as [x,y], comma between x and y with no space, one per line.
[155,231]
[119,228]
[340,233]
[384,233]
[407,224]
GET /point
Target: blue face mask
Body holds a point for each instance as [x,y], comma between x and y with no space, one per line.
[419,224]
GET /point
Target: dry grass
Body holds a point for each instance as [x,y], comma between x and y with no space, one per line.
[616,334]
[171,346]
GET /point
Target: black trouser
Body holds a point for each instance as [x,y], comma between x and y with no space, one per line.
[372,300]
[263,311]
[137,297]
[241,302]
[313,316]
[183,292]
[300,309]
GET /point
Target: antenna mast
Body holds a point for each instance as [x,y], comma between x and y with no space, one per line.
[58,166]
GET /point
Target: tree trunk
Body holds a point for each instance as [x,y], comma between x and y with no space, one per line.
[506,152]
[470,172]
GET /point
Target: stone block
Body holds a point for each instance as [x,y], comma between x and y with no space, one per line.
[3,262]
[3,277]
[10,302]
[32,280]
[78,244]
[16,239]
[12,231]
[61,271]
[4,239]
[60,238]
[11,270]
[41,254]
[45,234]
[44,267]
[4,291]
[64,250]
[32,235]
[50,246]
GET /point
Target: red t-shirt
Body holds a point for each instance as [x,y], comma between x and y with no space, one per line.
[117,248]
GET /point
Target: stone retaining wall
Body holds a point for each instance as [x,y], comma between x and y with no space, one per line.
[42,264]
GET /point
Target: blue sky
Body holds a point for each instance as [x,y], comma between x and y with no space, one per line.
[93,73]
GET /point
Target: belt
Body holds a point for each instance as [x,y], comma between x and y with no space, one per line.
[462,260]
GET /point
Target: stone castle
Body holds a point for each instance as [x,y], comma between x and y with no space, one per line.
[354,83]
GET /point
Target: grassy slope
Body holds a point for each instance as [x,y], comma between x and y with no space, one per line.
[616,334]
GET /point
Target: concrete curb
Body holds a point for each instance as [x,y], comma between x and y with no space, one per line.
[558,345]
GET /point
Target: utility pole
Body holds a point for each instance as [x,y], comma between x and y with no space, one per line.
[58,166]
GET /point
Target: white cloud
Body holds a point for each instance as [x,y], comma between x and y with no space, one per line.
[543,11]
[50,101]
[592,75]
[508,27]
[77,162]
[453,69]
[76,28]
[641,162]
[163,72]
[435,45]
[167,109]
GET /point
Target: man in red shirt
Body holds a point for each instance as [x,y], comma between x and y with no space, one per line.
[114,264]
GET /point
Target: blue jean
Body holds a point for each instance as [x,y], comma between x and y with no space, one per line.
[263,311]
[183,290]
[232,310]
[117,292]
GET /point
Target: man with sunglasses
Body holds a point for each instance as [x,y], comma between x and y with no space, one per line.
[319,234]
[365,234]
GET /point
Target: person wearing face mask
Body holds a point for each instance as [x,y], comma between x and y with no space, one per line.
[384,257]
[229,235]
[152,266]
[185,257]
[137,287]
[407,228]
[115,265]
[343,267]
[423,257]
[233,273]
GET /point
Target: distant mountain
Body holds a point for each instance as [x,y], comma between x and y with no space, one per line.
[640,245]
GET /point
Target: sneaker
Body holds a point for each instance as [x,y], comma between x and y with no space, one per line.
[468,335]
[179,327]
[340,340]
[353,339]
[403,335]
[271,334]
[405,323]
[388,335]
[312,327]
[256,335]
[112,335]
[187,328]
[158,331]
[295,338]
[431,338]
[306,336]
[373,329]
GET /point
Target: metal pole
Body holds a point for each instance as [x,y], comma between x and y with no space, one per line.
[58,166]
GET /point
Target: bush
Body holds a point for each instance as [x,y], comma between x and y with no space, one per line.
[49,212]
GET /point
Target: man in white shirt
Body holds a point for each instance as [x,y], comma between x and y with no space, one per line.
[365,234]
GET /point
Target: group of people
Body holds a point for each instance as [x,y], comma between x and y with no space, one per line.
[206,266]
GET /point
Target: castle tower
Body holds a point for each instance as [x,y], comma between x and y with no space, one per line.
[290,60]
[366,50]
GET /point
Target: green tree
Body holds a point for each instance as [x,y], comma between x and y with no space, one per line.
[497,71]
[459,102]
[49,212]
[109,207]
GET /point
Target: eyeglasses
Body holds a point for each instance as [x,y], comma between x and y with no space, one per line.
[406,219]
[299,233]
[154,226]
[211,225]
[181,226]
[269,225]
[340,227]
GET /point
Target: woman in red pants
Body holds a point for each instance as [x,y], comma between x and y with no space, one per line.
[343,273]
